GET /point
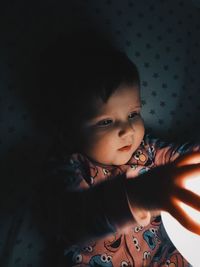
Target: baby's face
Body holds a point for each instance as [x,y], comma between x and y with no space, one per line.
[116,128]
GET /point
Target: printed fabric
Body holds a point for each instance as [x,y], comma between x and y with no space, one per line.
[135,245]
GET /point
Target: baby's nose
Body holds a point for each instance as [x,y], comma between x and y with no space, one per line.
[126,129]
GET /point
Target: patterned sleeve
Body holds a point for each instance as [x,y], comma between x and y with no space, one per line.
[162,152]
[80,209]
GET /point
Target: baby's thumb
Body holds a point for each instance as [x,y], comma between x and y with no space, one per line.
[142,217]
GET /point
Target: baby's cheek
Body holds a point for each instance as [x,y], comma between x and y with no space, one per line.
[97,150]
[139,124]
[101,146]
[102,150]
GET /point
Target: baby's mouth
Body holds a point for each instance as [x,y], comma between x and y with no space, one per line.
[125,148]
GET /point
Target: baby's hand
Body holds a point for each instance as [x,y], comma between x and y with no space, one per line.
[163,188]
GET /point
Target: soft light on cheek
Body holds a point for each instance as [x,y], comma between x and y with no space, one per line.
[187,243]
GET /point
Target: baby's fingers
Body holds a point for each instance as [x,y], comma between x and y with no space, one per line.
[188,172]
[187,159]
[188,197]
[180,215]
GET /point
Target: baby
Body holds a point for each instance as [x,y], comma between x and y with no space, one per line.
[113,179]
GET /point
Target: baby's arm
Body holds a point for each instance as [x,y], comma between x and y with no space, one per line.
[98,210]
[163,188]
[163,152]
[79,214]
[113,204]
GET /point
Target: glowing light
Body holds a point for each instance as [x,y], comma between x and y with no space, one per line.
[186,242]
[193,184]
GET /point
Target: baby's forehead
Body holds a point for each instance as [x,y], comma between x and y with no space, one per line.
[96,106]
[124,97]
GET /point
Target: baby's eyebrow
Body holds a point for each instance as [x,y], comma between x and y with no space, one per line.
[100,117]
[96,118]
[136,107]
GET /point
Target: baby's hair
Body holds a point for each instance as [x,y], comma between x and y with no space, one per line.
[103,71]
[100,72]
[74,71]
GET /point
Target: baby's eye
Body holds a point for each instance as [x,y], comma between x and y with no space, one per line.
[104,122]
[133,115]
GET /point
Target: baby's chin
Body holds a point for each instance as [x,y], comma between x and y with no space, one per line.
[121,161]
[117,159]
[116,162]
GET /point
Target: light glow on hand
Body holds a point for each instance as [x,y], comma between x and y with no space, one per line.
[194,186]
